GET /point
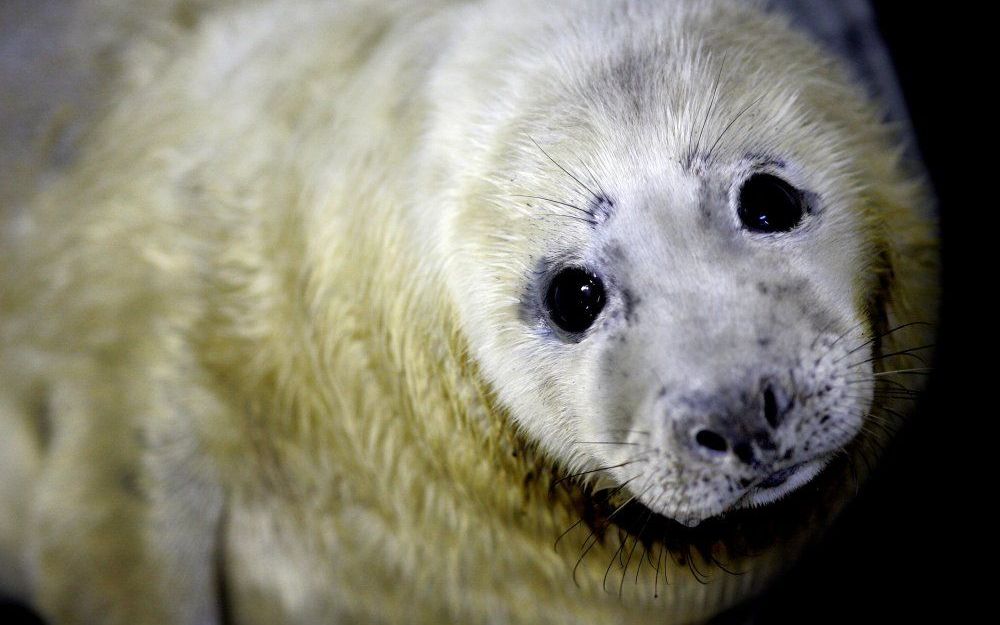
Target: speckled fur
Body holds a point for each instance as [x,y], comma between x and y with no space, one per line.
[264,350]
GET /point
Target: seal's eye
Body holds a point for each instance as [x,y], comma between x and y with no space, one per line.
[574,299]
[769,204]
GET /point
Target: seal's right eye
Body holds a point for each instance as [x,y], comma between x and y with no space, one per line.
[769,204]
[574,299]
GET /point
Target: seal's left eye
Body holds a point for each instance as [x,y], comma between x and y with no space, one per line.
[769,204]
[574,299]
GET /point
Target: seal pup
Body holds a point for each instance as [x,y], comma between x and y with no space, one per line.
[346,312]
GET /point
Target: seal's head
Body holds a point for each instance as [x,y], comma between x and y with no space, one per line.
[670,263]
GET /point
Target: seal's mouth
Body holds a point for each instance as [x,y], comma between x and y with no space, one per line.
[741,530]
[782,482]
[764,489]
[779,477]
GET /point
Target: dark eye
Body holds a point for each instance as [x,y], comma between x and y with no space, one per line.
[574,299]
[769,204]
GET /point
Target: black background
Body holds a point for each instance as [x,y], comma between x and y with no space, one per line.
[913,545]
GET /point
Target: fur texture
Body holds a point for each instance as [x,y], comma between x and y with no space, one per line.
[264,351]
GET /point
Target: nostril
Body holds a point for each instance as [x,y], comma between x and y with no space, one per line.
[744,452]
[710,440]
[770,407]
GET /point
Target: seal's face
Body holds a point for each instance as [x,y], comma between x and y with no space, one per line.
[700,337]
[673,309]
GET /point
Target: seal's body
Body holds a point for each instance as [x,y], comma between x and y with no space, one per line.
[345,312]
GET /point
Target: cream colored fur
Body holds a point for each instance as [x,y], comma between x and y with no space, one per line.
[248,367]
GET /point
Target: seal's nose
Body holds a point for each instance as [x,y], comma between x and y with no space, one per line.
[744,429]
[751,448]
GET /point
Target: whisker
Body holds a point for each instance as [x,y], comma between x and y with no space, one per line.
[715,562]
[848,331]
[876,379]
[711,106]
[899,396]
[564,170]
[888,394]
[891,426]
[601,443]
[622,543]
[656,576]
[880,336]
[699,576]
[597,181]
[628,561]
[589,222]
[898,393]
[902,352]
[617,489]
[554,201]
[881,383]
[630,500]
[555,545]
[592,534]
[592,537]
[635,543]
[896,414]
[605,468]
[711,150]
[627,431]
[918,371]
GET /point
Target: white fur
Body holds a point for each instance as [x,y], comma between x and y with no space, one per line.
[265,337]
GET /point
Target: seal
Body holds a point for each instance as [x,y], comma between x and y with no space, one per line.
[347,312]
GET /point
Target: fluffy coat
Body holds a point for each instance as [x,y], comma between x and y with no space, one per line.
[237,381]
